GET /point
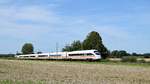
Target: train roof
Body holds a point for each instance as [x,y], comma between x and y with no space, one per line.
[83,51]
[33,54]
[80,51]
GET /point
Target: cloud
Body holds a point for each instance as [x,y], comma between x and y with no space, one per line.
[114,32]
[24,21]
[31,13]
[36,14]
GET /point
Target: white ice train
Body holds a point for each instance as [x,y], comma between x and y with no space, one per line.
[76,55]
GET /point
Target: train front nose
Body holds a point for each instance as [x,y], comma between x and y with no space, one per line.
[98,56]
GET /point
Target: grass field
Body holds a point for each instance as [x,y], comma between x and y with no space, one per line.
[65,72]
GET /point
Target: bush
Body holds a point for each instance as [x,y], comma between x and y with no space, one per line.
[129,59]
[104,60]
[142,61]
[146,56]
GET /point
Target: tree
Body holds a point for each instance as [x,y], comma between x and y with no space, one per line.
[119,53]
[67,48]
[114,53]
[146,55]
[76,45]
[122,53]
[94,41]
[27,48]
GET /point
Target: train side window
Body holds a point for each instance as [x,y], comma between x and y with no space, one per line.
[56,55]
[89,54]
[26,56]
[81,54]
[43,56]
[72,54]
[32,56]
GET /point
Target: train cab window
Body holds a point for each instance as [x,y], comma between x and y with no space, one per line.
[96,52]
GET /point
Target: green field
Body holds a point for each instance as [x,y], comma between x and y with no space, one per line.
[65,72]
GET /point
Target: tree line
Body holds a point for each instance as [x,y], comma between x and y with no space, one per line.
[92,41]
[123,53]
[7,55]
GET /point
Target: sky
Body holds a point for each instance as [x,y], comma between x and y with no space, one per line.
[122,24]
